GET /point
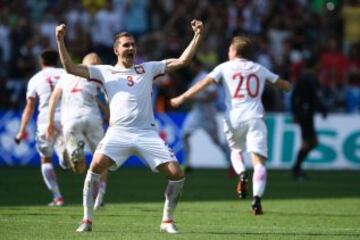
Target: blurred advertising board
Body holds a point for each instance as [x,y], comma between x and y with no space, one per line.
[339,148]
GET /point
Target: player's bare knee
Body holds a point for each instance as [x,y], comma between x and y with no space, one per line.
[172,170]
[45,160]
[257,159]
[100,163]
[177,175]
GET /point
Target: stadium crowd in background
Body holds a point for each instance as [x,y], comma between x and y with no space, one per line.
[285,33]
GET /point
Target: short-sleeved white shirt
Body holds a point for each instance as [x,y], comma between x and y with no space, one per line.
[78,98]
[244,83]
[129,93]
[40,87]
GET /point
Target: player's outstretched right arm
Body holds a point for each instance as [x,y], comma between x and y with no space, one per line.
[191,92]
[66,61]
[283,85]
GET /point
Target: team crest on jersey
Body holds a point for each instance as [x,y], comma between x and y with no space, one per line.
[139,69]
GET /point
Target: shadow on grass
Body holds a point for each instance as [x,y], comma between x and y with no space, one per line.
[24,186]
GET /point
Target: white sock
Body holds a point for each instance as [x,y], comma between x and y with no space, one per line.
[90,191]
[172,195]
[100,196]
[50,179]
[259,180]
[237,161]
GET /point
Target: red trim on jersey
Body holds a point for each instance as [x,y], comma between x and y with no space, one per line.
[159,75]
[95,80]
[75,89]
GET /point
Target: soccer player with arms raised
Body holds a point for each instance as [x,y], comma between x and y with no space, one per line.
[132,128]
[244,126]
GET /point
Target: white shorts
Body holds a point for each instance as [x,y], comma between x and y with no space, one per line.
[200,119]
[119,144]
[46,147]
[250,136]
[89,130]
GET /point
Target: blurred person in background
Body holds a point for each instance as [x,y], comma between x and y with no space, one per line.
[132,128]
[306,99]
[353,80]
[81,119]
[244,127]
[333,73]
[39,90]
[203,115]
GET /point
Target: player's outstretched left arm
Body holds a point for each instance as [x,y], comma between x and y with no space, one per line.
[55,96]
[283,85]
[189,52]
[191,92]
[66,61]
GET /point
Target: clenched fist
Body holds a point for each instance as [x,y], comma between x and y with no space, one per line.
[197,26]
[177,101]
[60,31]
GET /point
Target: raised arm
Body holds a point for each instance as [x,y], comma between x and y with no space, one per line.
[283,85]
[66,61]
[25,119]
[189,52]
[177,101]
[55,96]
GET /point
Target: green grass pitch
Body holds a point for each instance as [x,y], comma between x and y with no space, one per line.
[326,207]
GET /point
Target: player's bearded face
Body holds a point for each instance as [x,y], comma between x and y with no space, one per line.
[126,48]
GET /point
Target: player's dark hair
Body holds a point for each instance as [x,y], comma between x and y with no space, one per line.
[120,35]
[242,46]
[49,57]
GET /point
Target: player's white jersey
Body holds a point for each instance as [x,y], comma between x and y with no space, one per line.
[129,93]
[244,83]
[40,87]
[78,98]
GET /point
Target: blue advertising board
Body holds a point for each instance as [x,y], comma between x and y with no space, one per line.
[25,153]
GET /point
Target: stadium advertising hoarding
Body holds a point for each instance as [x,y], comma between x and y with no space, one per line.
[339,146]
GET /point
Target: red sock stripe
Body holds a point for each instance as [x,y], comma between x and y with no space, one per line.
[168,221]
[86,221]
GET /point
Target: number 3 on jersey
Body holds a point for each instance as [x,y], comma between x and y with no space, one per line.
[130,80]
[252,85]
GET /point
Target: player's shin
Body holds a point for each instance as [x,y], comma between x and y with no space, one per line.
[99,202]
[172,195]
[237,161]
[90,191]
[259,180]
[50,179]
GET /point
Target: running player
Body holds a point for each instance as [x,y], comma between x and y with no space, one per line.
[81,118]
[244,126]
[39,90]
[202,115]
